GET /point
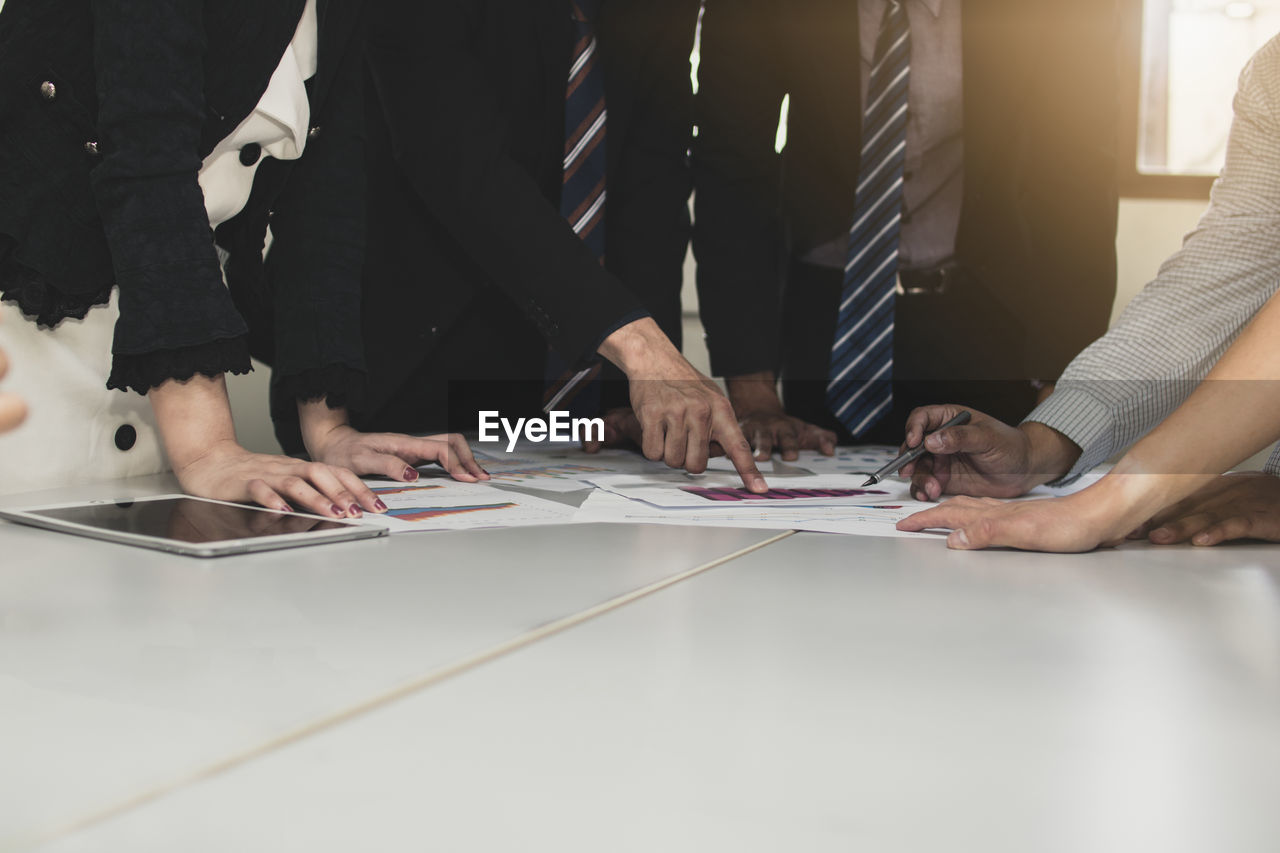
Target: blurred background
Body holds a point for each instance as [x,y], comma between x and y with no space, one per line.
[1180,61]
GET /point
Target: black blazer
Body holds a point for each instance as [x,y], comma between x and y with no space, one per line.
[1038,218]
[466,142]
[106,110]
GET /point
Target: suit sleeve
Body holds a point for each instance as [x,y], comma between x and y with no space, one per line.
[736,233]
[176,317]
[314,268]
[447,136]
[648,211]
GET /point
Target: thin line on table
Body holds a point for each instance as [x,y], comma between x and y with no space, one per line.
[403,692]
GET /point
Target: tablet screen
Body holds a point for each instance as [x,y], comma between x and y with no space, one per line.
[187,520]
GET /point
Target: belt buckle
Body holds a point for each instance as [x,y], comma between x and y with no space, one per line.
[934,282]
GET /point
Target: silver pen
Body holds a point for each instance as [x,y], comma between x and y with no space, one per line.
[914,453]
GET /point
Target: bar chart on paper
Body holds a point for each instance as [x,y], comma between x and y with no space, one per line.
[449,505]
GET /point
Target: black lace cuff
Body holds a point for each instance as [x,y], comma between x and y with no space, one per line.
[143,372]
[47,305]
[338,385]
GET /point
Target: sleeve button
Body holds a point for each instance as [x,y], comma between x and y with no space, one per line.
[313,132]
[91,148]
[48,91]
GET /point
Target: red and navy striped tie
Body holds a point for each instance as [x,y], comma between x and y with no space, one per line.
[582,193]
[582,196]
[860,374]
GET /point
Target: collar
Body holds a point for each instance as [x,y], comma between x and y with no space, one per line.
[934,6]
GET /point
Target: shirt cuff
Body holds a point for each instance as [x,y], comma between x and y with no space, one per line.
[1085,420]
[1273,462]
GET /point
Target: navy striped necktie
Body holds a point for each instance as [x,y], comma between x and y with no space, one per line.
[860,373]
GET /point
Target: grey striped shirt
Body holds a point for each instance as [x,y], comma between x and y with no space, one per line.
[1174,331]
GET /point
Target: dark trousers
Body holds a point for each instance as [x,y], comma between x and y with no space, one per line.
[947,347]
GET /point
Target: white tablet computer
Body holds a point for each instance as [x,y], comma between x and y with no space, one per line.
[194,526]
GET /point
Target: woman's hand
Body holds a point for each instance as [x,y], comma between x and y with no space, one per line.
[12,409]
[228,472]
[330,439]
[194,418]
[1245,505]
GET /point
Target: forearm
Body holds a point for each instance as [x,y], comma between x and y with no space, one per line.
[1233,414]
[193,416]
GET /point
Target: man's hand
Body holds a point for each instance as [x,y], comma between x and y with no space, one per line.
[767,425]
[1064,525]
[1245,505]
[679,410]
[984,457]
[331,440]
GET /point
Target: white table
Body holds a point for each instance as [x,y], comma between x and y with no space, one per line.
[818,693]
[124,671]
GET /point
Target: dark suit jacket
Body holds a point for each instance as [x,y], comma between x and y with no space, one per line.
[466,128]
[98,177]
[1038,219]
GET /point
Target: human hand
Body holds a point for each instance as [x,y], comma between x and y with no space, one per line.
[226,471]
[1065,525]
[1245,505]
[767,425]
[984,457]
[13,410]
[331,440]
[680,412]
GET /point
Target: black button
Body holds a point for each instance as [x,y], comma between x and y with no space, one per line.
[126,437]
[250,153]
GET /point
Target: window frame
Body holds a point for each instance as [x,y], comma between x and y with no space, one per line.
[1133,183]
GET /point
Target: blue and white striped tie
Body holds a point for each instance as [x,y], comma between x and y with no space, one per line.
[860,375]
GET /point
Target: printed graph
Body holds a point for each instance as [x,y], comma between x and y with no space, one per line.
[424,513]
[737,495]
[401,490]
[565,471]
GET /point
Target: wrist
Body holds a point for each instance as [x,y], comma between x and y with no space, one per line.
[754,393]
[1050,454]
[320,425]
[638,347]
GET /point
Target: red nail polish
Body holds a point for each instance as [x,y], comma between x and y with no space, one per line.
[286,508]
[410,474]
[353,510]
[336,510]
[380,505]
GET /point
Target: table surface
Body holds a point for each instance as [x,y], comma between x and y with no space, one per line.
[620,687]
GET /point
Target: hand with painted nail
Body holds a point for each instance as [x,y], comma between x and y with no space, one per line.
[194,419]
[985,458]
[330,439]
[1245,505]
